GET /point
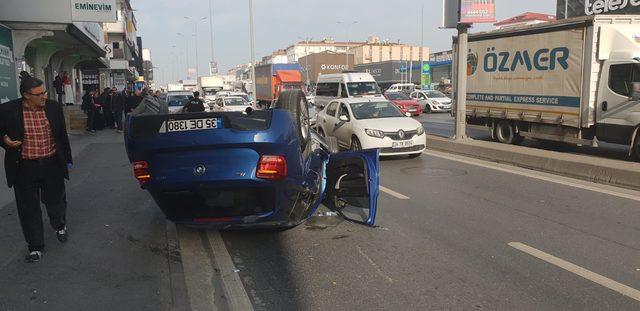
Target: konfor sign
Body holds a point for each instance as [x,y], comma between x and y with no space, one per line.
[93,11]
[574,8]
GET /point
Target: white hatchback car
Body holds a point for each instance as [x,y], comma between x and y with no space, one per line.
[230,103]
[372,123]
[432,101]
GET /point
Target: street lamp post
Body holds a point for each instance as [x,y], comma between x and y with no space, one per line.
[186,50]
[195,40]
[306,57]
[211,29]
[253,51]
[347,27]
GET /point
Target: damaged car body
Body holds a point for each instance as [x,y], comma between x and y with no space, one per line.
[251,169]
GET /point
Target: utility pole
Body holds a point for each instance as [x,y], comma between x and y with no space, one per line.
[186,49]
[347,26]
[461,82]
[421,43]
[211,26]
[253,51]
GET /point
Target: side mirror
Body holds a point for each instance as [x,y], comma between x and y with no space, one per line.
[343,118]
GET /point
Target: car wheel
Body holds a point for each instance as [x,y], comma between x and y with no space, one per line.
[296,103]
[506,133]
[427,108]
[355,144]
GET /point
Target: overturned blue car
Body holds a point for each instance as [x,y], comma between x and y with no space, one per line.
[251,169]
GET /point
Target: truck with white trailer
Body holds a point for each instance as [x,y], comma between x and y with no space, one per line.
[575,81]
[209,86]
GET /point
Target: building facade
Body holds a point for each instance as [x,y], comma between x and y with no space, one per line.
[304,48]
[383,52]
[122,46]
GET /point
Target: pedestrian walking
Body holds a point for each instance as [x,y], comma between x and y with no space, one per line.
[58,84]
[90,108]
[118,100]
[37,161]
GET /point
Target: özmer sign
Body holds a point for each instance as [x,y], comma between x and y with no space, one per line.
[606,6]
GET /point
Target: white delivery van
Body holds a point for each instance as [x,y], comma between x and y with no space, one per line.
[345,85]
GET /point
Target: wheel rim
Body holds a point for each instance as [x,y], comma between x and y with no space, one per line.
[504,132]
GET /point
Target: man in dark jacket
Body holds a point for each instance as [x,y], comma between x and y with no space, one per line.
[37,161]
[118,100]
[195,104]
[133,100]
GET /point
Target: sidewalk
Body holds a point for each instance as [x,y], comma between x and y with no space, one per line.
[618,173]
[119,255]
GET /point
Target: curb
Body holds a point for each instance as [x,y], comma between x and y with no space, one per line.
[599,170]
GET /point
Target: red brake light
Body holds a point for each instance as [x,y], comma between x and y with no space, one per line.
[272,167]
[141,171]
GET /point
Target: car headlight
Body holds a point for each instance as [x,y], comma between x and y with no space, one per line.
[374,133]
[420,130]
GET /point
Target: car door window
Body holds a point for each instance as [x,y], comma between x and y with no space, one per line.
[344,111]
[331,110]
[622,77]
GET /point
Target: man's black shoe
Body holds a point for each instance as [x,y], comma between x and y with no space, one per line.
[62,235]
[33,257]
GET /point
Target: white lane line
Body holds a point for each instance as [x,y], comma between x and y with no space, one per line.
[394,194]
[374,265]
[237,297]
[558,179]
[591,276]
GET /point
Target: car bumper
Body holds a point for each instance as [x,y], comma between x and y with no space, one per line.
[440,108]
[386,145]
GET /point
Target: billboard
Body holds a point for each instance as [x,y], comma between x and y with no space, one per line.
[575,8]
[8,84]
[477,11]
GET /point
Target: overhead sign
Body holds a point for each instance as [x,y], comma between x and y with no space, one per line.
[8,84]
[456,12]
[575,8]
[100,11]
[477,11]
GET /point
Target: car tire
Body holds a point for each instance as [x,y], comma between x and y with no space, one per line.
[427,108]
[505,132]
[355,144]
[296,103]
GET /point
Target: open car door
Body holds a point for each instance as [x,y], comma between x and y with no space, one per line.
[353,185]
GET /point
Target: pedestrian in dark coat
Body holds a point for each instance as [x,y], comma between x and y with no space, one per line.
[118,101]
[37,161]
[90,108]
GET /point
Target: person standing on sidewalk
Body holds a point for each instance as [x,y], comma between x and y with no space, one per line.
[90,108]
[118,105]
[37,161]
[58,84]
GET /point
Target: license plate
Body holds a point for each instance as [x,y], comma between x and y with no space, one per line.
[402,144]
[193,124]
[412,109]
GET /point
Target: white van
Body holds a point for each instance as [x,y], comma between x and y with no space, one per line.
[406,88]
[345,85]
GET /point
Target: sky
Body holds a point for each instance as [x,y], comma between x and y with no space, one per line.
[280,23]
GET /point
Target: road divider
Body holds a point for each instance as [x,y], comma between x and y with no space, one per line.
[575,269]
[599,170]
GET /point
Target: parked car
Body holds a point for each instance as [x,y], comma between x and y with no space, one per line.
[230,103]
[345,85]
[406,88]
[405,103]
[177,99]
[432,101]
[366,123]
[252,169]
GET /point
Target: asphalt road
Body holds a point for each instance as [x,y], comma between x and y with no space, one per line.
[445,246]
[442,124]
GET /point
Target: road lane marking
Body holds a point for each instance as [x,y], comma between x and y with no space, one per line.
[236,294]
[394,194]
[558,179]
[374,265]
[575,269]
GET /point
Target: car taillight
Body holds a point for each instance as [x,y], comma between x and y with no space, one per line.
[272,167]
[141,171]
